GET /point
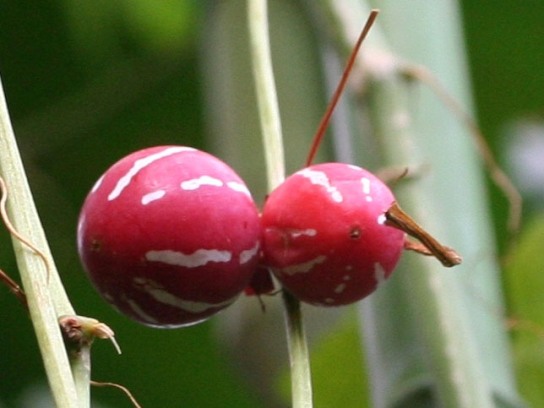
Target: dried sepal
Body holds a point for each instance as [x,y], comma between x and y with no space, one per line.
[397,218]
[80,332]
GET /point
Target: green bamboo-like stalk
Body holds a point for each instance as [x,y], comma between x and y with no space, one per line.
[301,384]
[265,87]
[432,335]
[45,294]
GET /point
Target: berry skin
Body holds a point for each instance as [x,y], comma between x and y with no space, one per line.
[324,234]
[169,236]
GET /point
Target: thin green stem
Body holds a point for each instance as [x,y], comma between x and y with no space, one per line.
[273,145]
[81,369]
[45,294]
[298,351]
[267,99]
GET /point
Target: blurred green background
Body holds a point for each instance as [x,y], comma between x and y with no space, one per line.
[88,82]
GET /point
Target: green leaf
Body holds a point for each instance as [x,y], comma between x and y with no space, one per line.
[524,278]
[339,378]
[338,373]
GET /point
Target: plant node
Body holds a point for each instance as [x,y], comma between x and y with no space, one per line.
[79,332]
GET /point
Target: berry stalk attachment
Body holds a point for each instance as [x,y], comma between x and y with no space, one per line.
[397,218]
[333,232]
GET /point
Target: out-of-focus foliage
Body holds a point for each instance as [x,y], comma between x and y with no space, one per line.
[89,81]
[525,281]
[504,41]
[337,376]
[86,83]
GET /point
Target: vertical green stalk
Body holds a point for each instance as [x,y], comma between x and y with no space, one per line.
[267,99]
[273,146]
[44,291]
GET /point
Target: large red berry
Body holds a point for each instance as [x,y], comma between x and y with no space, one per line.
[169,235]
[325,237]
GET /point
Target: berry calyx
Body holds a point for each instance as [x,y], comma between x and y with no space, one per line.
[169,236]
[325,234]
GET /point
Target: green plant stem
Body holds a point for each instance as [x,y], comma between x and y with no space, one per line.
[301,386]
[46,296]
[81,369]
[267,100]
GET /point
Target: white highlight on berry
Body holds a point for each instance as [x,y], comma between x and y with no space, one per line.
[80,227]
[379,273]
[139,311]
[304,266]
[238,187]
[309,232]
[161,295]
[98,183]
[366,189]
[198,258]
[381,219]
[142,163]
[366,185]
[340,288]
[196,183]
[321,179]
[248,254]
[108,296]
[153,196]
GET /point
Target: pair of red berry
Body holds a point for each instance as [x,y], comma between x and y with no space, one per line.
[170,235]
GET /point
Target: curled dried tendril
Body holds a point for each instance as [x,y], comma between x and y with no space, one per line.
[381,64]
[120,387]
[496,173]
[393,175]
[13,231]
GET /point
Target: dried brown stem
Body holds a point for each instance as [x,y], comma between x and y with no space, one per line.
[120,387]
[397,218]
[499,177]
[339,89]
[14,288]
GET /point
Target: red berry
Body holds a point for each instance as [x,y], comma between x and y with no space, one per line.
[169,235]
[324,234]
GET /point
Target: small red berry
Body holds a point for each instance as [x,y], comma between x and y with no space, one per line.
[169,235]
[324,234]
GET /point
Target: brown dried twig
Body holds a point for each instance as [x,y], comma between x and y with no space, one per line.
[14,288]
[499,177]
[120,387]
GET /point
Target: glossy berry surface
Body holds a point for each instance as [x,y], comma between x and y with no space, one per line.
[324,234]
[169,235]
